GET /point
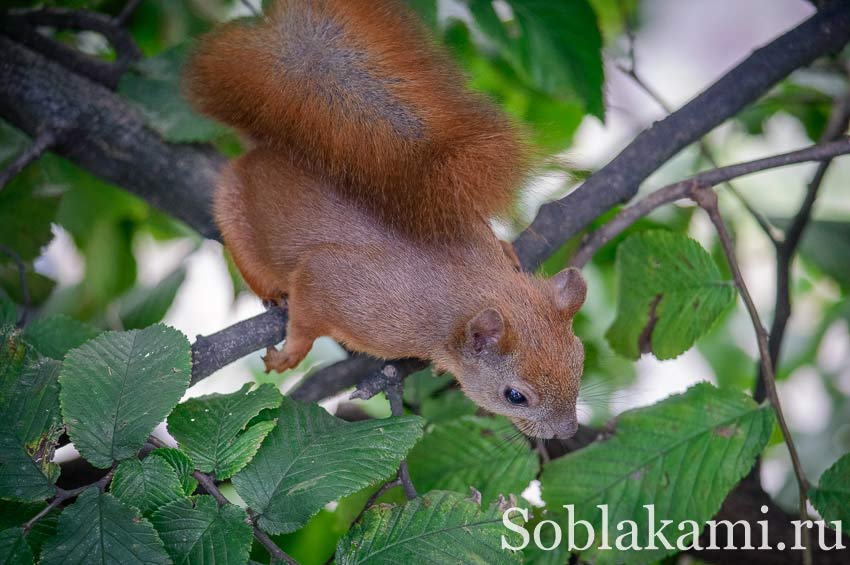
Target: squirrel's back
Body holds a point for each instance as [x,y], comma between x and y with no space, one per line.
[356,91]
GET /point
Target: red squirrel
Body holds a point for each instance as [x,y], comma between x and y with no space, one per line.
[365,198]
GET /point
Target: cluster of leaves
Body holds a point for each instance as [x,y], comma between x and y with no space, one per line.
[305,475]
[285,461]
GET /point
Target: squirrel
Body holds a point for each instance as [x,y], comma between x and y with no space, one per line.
[364,203]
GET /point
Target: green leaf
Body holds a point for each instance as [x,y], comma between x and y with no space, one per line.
[703,441]
[30,402]
[204,532]
[147,485]
[99,528]
[20,476]
[439,527]
[832,495]
[669,288]
[827,245]
[110,263]
[117,387]
[556,45]
[474,452]
[14,549]
[55,336]
[28,206]
[153,87]
[145,306]
[212,429]
[8,312]
[182,465]
[29,420]
[312,458]
[17,513]
[448,406]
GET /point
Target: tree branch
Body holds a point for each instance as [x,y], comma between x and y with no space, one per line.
[786,248]
[681,189]
[707,200]
[825,32]
[41,144]
[106,136]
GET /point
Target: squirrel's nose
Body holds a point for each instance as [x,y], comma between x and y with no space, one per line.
[566,428]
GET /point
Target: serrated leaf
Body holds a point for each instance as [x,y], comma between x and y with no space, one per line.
[57,335]
[204,532]
[832,495]
[312,458]
[439,527]
[20,476]
[670,294]
[117,387]
[30,403]
[182,465]
[153,87]
[703,441]
[29,420]
[144,306]
[14,549]
[99,528]
[212,429]
[473,452]
[557,46]
[147,485]
[16,513]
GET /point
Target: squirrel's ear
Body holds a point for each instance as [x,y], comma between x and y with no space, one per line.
[485,330]
[570,290]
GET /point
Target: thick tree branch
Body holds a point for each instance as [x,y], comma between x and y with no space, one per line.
[106,136]
[825,32]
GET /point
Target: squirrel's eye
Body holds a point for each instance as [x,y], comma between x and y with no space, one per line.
[514,396]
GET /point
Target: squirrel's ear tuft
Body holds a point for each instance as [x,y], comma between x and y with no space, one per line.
[570,290]
[485,330]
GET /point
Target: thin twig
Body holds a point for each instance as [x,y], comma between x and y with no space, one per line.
[124,15]
[631,71]
[712,177]
[707,200]
[257,13]
[786,248]
[41,144]
[375,496]
[22,273]
[394,394]
[63,495]
[276,552]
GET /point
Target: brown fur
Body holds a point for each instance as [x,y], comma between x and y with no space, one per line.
[359,92]
[289,215]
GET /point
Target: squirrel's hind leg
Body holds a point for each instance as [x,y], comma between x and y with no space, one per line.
[301,331]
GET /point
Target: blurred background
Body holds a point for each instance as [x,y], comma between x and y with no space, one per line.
[106,257]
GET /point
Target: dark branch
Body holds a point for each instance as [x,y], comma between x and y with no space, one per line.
[106,136]
[825,32]
[23,25]
[336,378]
[786,248]
[210,353]
[42,143]
[712,177]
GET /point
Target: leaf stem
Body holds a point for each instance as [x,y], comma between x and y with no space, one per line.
[707,200]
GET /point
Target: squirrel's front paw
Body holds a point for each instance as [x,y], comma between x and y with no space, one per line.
[287,358]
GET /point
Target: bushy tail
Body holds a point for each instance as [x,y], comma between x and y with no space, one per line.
[357,91]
